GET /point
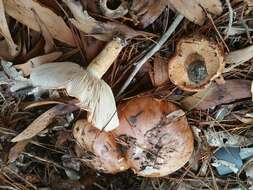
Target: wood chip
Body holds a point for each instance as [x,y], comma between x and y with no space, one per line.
[54,23]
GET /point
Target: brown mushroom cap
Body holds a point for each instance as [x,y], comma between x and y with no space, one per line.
[107,157]
[157,142]
[197,62]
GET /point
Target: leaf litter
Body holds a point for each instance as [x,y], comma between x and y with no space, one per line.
[37,148]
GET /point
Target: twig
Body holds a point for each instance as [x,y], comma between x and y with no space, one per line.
[230,21]
[155,48]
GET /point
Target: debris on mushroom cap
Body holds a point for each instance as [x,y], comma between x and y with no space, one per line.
[158,138]
[197,62]
[107,157]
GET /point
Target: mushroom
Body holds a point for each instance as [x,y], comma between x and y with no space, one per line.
[159,140]
[153,138]
[197,61]
[107,157]
[86,85]
[116,10]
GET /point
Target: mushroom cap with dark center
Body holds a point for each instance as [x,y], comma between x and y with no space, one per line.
[197,71]
[197,61]
[156,136]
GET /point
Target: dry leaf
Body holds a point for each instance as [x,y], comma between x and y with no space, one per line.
[252,90]
[49,41]
[147,11]
[192,9]
[223,138]
[4,52]
[23,11]
[4,30]
[100,30]
[216,94]
[160,71]
[36,61]
[43,121]
[238,57]
[213,6]
[16,150]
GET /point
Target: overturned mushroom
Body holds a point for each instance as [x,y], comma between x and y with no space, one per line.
[154,139]
[197,62]
[94,94]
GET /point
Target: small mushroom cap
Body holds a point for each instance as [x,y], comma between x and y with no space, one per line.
[197,62]
[107,157]
[156,136]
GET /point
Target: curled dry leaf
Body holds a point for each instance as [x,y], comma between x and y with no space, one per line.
[100,30]
[159,75]
[43,121]
[49,41]
[23,11]
[224,138]
[4,52]
[94,94]
[217,94]
[16,150]
[147,11]
[4,30]
[36,61]
[192,9]
[238,57]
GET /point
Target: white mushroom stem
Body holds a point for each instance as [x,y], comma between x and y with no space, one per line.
[103,61]
[94,94]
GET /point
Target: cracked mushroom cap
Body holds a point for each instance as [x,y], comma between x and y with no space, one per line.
[107,157]
[197,62]
[155,135]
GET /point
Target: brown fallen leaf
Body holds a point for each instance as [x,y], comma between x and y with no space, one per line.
[49,41]
[216,94]
[192,9]
[159,75]
[252,90]
[100,30]
[213,6]
[4,52]
[147,11]
[43,121]
[238,57]
[16,150]
[5,32]
[23,11]
[36,61]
